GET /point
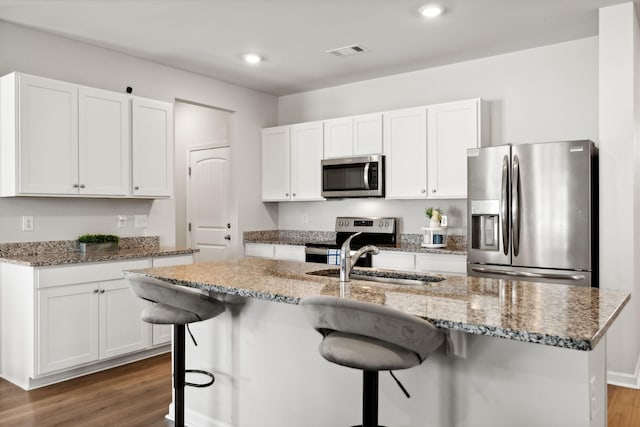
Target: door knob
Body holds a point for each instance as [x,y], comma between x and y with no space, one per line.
[227,237]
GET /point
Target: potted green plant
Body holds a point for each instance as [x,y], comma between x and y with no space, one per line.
[96,243]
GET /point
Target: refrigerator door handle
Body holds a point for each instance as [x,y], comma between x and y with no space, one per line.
[515,205]
[504,204]
[529,275]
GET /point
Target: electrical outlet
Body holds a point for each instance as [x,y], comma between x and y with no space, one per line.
[122,221]
[27,223]
[141,221]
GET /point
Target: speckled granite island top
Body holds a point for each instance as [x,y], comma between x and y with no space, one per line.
[556,315]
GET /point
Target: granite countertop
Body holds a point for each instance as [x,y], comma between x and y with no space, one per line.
[557,315]
[408,242]
[60,252]
[51,259]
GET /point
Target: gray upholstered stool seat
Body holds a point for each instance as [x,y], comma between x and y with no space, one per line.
[176,305]
[371,338]
[179,306]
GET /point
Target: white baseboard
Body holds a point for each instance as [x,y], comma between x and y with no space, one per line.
[625,380]
[196,419]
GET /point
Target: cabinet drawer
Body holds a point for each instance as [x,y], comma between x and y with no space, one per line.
[96,272]
[441,263]
[168,261]
[260,250]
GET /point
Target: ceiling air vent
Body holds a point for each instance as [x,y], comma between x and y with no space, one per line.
[348,50]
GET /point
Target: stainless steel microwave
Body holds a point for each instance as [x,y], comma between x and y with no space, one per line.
[353,177]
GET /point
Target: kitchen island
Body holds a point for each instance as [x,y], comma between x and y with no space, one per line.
[530,354]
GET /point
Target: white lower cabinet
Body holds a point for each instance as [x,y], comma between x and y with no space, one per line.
[411,261]
[281,252]
[57,320]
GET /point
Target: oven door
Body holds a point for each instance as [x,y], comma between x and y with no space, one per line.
[353,177]
[327,255]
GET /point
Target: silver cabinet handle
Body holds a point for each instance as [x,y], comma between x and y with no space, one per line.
[102,291]
[95,291]
[136,188]
[294,194]
[423,191]
[227,237]
[515,205]
[504,204]
[75,186]
[82,185]
[433,190]
[286,194]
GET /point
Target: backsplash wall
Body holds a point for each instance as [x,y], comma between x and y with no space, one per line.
[321,215]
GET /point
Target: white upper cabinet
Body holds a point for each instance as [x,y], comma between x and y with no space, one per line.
[453,127]
[152,148]
[39,136]
[61,139]
[276,160]
[306,155]
[338,138]
[367,134]
[353,136]
[103,143]
[291,158]
[405,148]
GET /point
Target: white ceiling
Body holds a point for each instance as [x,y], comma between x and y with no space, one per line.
[208,37]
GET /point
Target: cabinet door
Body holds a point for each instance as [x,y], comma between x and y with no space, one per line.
[121,330]
[452,129]
[276,171]
[67,327]
[104,165]
[152,147]
[367,134]
[260,250]
[48,141]
[441,263]
[394,260]
[405,147]
[306,155]
[289,252]
[338,138]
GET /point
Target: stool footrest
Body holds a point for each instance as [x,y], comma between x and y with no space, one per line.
[198,371]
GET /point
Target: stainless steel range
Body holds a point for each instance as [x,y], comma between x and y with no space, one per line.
[375,231]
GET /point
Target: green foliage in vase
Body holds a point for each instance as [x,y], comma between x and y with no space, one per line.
[98,238]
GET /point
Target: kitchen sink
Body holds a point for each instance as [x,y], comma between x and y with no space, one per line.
[386,276]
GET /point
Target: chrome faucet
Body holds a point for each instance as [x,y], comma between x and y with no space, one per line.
[347,261]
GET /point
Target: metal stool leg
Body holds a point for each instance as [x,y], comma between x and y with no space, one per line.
[178,374]
[370,399]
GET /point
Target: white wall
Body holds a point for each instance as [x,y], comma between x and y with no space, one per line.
[35,52]
[544,94]
[620,182]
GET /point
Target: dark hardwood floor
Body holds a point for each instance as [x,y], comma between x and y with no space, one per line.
[139,394]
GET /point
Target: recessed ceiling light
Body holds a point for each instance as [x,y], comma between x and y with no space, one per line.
[252,58]
[431,10]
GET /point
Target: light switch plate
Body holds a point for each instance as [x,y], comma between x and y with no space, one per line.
[27,223]
[141,221]
[122,221]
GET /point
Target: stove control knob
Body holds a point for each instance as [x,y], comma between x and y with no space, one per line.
[380,224]
[386,223]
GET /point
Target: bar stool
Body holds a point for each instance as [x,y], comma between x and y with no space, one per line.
[371,338]
[178,306]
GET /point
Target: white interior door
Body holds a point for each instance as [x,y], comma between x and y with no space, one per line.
[208,203]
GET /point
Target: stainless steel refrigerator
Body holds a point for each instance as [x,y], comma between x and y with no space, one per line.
[533,212]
